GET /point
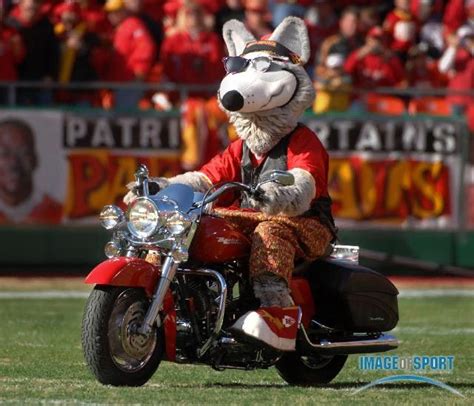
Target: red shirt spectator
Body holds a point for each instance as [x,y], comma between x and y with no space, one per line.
[458,63]
[422,71]
[189,59]
[401,27]
[134,48]
[95,17]
[11,52]
[192,54]
[456,14]
[426,75]
[372,65]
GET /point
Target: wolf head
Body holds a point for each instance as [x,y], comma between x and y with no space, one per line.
[266,88]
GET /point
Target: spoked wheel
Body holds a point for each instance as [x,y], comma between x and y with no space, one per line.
[114,350]
[309,370]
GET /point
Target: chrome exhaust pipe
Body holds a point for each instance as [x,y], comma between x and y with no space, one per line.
[382,343]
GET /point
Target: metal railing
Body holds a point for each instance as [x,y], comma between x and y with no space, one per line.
[184,90]
[12,88]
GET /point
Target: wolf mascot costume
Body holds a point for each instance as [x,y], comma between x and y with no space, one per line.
[264,92]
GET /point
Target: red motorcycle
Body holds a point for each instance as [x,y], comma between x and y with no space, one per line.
[177,279]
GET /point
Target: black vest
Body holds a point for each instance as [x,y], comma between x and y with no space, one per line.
[277,159]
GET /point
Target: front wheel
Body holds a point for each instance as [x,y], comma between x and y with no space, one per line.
[312,370]
[114,351]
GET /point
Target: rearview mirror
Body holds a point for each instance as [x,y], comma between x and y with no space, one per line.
[282,177]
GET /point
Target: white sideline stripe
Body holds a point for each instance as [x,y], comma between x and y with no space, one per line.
[421,293]
[433,331]
[79,294]
[46,294]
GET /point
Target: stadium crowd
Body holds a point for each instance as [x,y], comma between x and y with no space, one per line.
[356,45]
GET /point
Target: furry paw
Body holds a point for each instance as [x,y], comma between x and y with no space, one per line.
[272,290]
[154,186]
[287,200]
[266,200]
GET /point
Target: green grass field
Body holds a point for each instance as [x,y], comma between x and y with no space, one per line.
[41,362]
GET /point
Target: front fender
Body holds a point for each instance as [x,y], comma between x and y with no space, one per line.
[123,271]
[135,272]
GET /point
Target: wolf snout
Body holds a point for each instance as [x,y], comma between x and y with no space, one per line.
[232,100]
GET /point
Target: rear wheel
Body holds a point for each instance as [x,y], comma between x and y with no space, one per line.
[114,351]
[313,370]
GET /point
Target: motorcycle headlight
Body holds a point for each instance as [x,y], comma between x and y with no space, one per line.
[177,223]
[143,218]
[111,216]
[112,249]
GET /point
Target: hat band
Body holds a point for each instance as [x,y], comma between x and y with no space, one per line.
[273,48]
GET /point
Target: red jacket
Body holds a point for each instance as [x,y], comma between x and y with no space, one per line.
[134,51]
[402,28]
[454,15]
[374,70]
[12,52]
[462,78]
[426,76]
[193,60]
[305,151]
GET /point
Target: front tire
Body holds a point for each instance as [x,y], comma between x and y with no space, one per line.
[300,370]
[114,352]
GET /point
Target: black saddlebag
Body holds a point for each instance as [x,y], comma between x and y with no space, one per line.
[351,297]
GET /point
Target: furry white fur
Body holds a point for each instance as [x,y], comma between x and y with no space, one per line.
[287,200]
[292,33]
[236,36]
[262,130]
[272,290]
[197,180]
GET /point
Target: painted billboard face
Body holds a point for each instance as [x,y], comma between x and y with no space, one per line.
[17,162]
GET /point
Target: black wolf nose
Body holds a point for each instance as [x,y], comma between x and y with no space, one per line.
[232,101]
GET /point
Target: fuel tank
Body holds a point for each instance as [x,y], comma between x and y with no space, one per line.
[218,241]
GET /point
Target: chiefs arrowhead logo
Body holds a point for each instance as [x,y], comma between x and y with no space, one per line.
[288,321]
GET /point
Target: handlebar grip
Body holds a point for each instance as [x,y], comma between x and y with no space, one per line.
[153,188]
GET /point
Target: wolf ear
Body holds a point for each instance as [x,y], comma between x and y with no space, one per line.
[236,36]
[292,33]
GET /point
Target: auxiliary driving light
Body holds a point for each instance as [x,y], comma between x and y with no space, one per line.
[111,216]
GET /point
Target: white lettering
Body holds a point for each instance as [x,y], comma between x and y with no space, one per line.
[413,138]
[174,134]
[102,135]
[76,128]
[343,128]
[445,138]
[126,125]
[150,130]
[390,127]
[369,138]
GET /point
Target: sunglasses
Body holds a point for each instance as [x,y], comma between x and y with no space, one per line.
[235,64]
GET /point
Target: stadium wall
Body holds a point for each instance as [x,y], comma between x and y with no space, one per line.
[400,184]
